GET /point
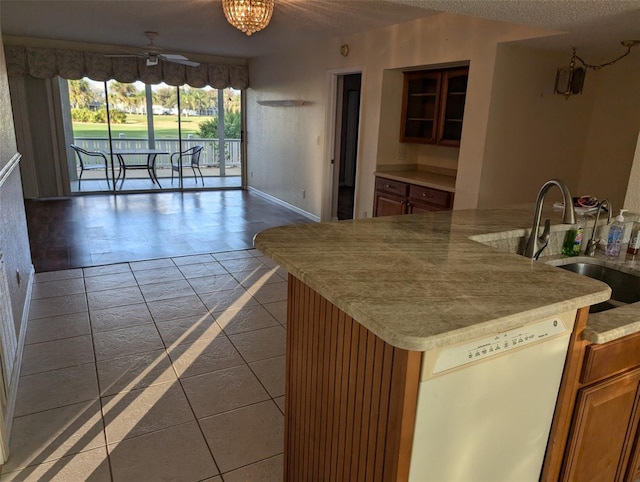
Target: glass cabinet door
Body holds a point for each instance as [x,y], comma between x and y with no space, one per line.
[433,106]
[454,94]
[421,99]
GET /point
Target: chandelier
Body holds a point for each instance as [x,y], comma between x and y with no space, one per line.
[248,16]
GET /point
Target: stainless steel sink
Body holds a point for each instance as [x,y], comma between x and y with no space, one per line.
[625,287]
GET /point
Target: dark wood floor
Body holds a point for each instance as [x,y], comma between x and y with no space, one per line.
[104,229]
[345,202]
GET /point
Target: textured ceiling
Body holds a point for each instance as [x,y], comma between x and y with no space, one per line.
[594,26]
[199,26]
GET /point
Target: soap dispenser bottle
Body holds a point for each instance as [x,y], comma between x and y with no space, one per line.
[616,235]
[634,240]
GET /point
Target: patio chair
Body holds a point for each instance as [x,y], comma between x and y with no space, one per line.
[187,158]
[84,156]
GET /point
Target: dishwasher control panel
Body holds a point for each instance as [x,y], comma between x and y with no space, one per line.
[490,346]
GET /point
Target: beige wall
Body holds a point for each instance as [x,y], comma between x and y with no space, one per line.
[283,149]
[286,143]
[534,135]
[613,133]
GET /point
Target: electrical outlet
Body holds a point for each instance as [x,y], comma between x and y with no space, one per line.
[251,174]
[304,194]
[364,214]
[402,154]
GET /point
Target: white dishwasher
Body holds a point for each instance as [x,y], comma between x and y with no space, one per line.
[485,407]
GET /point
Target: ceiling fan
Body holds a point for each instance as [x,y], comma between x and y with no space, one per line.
[154,54]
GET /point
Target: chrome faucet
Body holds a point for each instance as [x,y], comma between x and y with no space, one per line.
[537,243]
[591,245]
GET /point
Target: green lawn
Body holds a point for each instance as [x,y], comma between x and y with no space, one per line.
[165,126]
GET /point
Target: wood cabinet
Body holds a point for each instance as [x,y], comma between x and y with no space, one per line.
[396,197]
[433,106]
[603,440]
[390,197]
[604,429]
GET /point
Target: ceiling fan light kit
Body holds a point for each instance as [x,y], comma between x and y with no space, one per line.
[248,16]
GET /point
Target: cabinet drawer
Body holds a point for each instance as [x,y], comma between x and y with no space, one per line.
[610,358]
[428,195]
[392,187]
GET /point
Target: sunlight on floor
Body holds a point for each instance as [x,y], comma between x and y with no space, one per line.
[190,389]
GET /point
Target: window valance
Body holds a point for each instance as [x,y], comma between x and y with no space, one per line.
[74,64]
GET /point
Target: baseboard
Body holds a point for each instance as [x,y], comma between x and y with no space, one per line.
[15,376]
[284,204]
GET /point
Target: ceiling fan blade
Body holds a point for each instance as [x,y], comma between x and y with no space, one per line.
[152,53]
[182,61]
[174,56]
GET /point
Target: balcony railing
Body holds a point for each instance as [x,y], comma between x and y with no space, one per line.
[208,158]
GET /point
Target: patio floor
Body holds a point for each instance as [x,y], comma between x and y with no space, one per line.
[138,180]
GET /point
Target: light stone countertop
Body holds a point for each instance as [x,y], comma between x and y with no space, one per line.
[418,281]
[421,178]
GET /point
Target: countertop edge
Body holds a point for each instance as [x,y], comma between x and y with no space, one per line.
[481,329]
[625,321]
[454,336]
[420,178]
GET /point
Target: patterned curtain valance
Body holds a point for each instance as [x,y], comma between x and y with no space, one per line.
[73,64]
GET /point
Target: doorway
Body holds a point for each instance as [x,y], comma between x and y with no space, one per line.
[346,145]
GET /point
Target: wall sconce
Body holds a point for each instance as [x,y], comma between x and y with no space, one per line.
[570,80]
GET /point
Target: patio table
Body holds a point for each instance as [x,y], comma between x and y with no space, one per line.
[149,165]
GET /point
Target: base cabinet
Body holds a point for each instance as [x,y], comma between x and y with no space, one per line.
[602,435]
[386,205]
[393,198]
[604,431]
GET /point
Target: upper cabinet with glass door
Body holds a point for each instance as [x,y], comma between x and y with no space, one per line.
[433,106]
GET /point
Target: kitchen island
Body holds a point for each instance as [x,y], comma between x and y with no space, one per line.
[369,299]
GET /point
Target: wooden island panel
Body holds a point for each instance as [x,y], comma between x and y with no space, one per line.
[350,396]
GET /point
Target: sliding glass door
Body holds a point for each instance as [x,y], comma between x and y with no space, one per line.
[212,156]
[153,137]
[88,165]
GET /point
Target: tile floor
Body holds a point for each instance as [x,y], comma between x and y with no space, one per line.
[170,369]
